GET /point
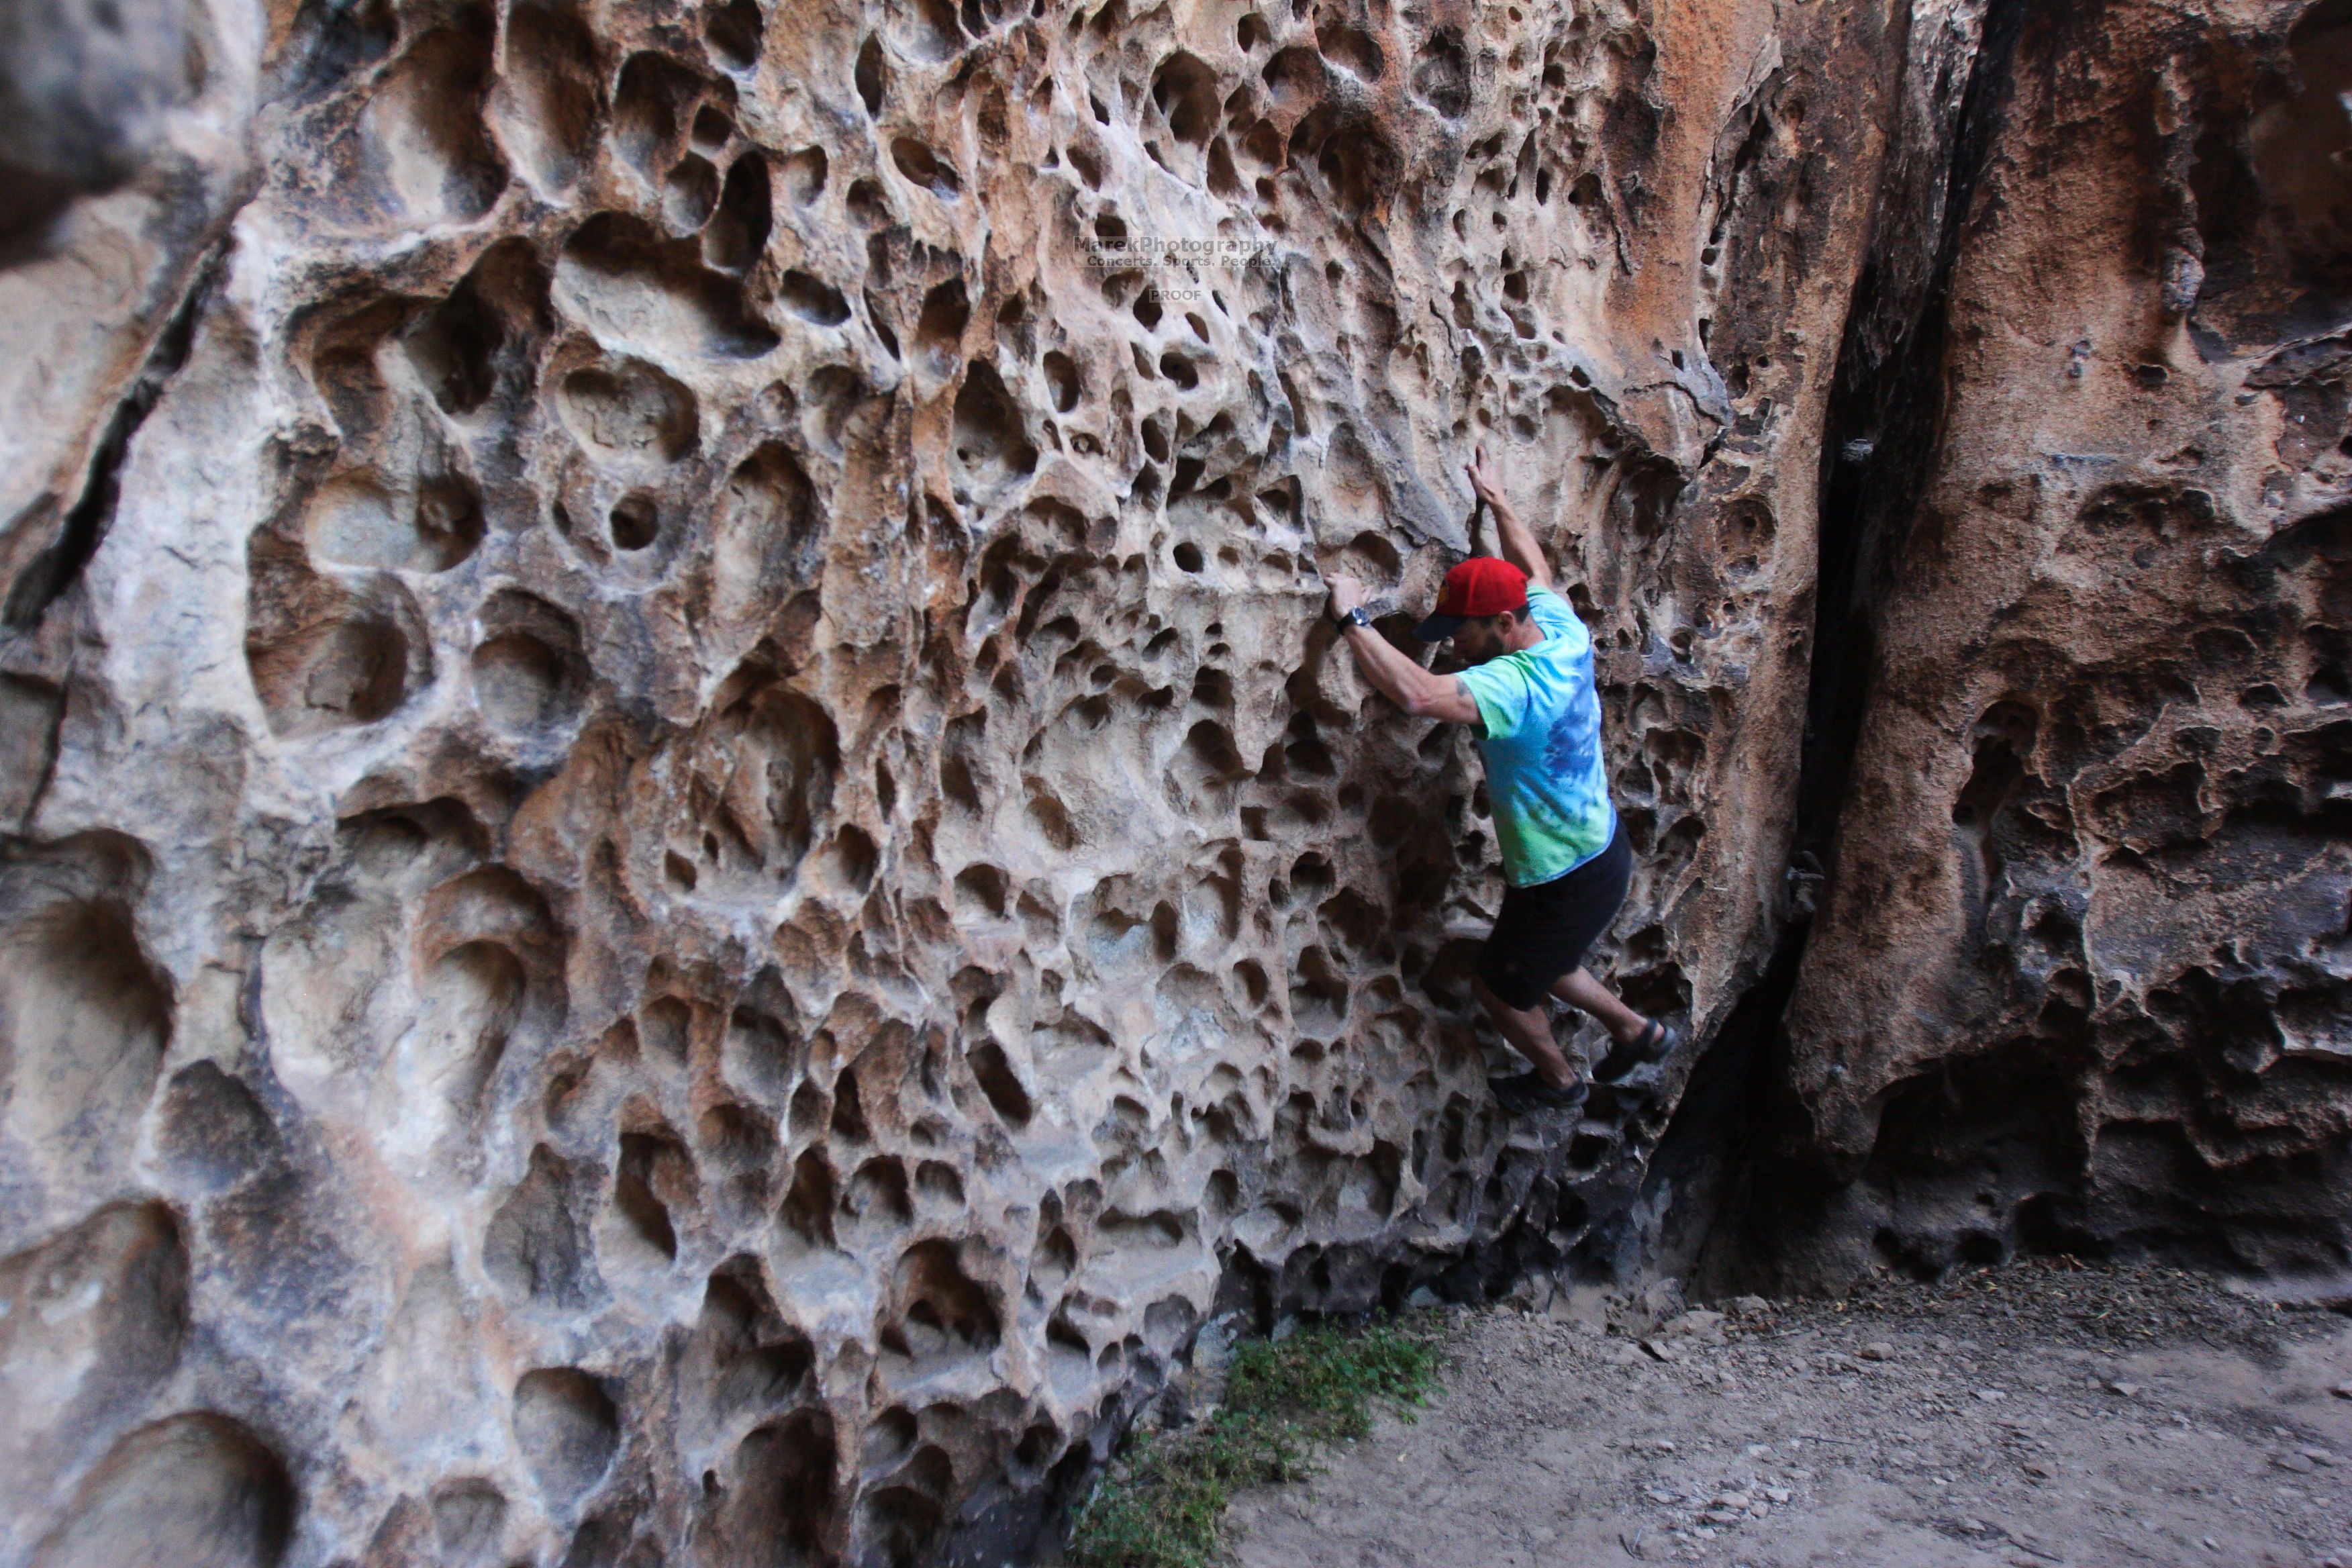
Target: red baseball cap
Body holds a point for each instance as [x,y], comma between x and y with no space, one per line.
[1481,586]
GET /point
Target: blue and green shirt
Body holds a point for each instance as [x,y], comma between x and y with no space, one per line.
[1546,780]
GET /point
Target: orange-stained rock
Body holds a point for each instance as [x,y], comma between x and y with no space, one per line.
[2083,975]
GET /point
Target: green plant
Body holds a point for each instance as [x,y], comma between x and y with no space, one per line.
[1163,1505]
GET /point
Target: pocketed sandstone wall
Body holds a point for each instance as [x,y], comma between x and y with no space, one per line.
[686,871]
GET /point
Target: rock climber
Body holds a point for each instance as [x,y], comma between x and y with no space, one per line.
[1526,690]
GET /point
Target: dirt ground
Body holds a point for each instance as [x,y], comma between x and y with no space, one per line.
[2036,1414]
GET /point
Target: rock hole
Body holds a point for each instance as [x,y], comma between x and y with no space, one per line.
[937,1188]
[325,657]
[453,347]
[629,412]
[868,74]
[1441,74]
[636,521]
[925,168]
[986,430]
[982,887]
[942,1313]
[814,300]
[568,1430]
[105,1307]
[896,1523]
[1062,381]
[633,287]
[877,1198]
[712,129]
[834,398]
[1185,91]
[735,31]
[653,92]
[419,147]
[666,1024]
[851,861]
[890,1438]
[527,674]
[1353,49]
[198,1491]
[764,529]
[805,176]
[689,194]
[358,520]
[546,103]
[214,1133]
[848,1112]
[928,30]
[739,233]
[809,1202]
[939,330]
[650,1165]
[777,1513]
[535,1248]
[2003,739]
[1000,1084]
[471,998]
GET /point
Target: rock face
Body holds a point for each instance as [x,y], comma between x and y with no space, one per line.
[2081,977]
[687,872]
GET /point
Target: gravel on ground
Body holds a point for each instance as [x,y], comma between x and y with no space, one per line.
[2042,1412]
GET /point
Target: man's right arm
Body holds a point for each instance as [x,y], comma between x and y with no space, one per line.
[1422,692]
[1519,541]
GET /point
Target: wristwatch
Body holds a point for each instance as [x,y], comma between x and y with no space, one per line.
[1354,618]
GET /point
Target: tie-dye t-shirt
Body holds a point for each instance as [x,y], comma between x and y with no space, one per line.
[1545,778]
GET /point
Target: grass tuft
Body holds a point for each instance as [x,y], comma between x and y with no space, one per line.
[1164,1506]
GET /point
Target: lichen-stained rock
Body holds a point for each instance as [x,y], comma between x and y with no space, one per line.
[2082,975]
[689,871]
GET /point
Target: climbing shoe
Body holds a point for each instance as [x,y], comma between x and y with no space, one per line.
[1654,1044]
[1526,1092]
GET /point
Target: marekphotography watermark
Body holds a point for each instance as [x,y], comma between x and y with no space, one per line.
[1132,251]
[1180,261]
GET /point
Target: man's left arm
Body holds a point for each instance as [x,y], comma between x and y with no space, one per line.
[1420,692]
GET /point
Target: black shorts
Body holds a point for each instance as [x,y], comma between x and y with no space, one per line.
[1542,932]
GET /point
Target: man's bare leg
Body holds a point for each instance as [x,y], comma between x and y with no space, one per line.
[1580,990]
[1530,1034]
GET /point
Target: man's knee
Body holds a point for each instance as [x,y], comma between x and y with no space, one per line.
[1500,1011]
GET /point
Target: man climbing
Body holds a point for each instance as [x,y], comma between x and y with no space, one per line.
[1526,690]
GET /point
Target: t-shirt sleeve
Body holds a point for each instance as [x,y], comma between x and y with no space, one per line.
[1501,689]
[1552,614]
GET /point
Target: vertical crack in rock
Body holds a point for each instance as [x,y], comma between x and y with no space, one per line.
[50,573]
[1879,436]
[1723,1185]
